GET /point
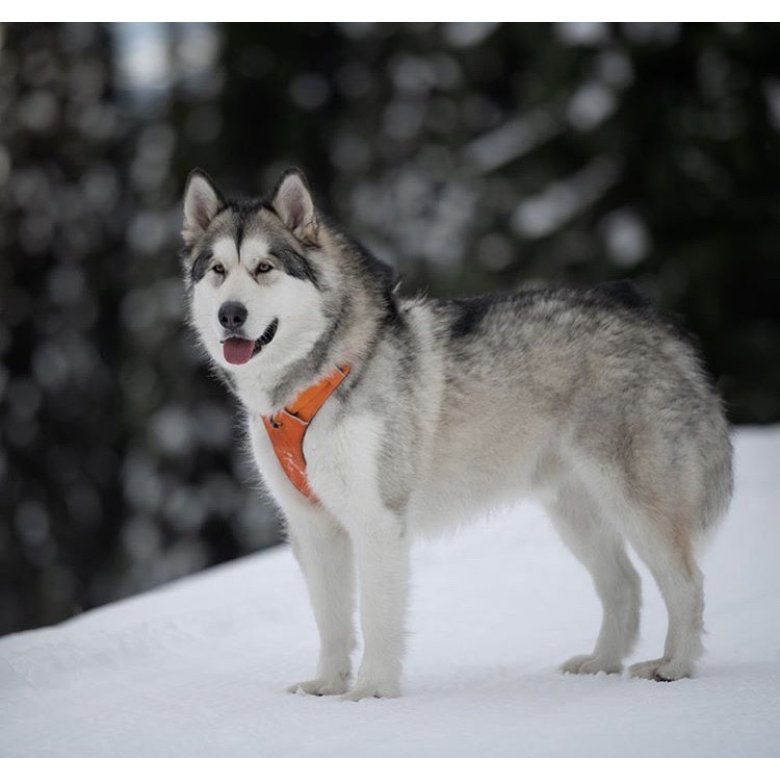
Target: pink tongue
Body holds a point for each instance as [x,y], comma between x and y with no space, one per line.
[238,351]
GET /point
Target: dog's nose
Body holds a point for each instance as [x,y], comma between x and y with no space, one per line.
[232,315]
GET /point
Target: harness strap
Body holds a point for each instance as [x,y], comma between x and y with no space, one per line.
[287,428]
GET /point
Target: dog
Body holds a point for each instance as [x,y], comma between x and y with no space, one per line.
[374,418]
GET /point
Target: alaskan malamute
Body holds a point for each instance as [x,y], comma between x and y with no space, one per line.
[374,417]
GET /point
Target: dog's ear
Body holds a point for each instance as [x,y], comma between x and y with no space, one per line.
[293,203]
[202,202]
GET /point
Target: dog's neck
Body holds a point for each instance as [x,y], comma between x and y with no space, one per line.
[348,339]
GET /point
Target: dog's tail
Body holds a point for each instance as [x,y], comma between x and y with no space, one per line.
[718,478]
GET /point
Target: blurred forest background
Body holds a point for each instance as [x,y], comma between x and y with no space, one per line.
[470,156]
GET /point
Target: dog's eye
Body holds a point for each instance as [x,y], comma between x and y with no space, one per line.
[219,269]
[263,268]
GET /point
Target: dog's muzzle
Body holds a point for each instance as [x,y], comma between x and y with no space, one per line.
[238,351]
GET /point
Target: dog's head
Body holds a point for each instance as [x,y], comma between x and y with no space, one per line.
[257,274]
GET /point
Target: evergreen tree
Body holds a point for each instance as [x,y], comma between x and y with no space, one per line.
[62,222]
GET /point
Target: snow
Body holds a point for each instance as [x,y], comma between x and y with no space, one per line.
[198,668]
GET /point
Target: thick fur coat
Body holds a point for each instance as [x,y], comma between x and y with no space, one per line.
[586,400]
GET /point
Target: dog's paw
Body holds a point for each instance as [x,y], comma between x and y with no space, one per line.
[320,687]
[662,670]
[372,690]
[591,664]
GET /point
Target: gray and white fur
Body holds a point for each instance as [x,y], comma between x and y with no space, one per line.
[586,400]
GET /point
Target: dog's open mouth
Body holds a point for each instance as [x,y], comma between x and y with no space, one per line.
[238,351]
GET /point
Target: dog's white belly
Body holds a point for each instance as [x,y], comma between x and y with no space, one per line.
[459,493]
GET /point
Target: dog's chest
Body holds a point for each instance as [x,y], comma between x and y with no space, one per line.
[340,454]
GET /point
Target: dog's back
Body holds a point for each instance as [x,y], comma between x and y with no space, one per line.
[541,384]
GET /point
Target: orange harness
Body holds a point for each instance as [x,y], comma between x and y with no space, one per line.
[287,428]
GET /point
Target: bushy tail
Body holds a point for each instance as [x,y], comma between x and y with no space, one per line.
[718,479]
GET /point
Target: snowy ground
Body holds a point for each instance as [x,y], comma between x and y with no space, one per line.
[198,668]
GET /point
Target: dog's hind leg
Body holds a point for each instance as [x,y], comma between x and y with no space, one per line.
[667,550]
[324,552]
[601,550]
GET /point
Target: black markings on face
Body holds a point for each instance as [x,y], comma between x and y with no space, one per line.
[284,256]
[295,264]
[201,265]
[240,228]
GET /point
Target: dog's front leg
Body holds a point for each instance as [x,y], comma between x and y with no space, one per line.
[324,552]
[382,556]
